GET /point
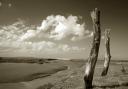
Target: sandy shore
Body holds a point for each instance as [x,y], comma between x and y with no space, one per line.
[72,77]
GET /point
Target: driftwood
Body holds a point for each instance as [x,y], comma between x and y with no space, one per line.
[107,53]
[90,66]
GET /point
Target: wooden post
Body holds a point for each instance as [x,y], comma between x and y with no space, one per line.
[123,70]
[107,53]
[90,66]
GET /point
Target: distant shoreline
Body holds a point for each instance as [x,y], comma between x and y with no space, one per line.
[25,60]
[44,60]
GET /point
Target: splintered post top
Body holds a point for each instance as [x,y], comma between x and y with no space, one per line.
[95,15]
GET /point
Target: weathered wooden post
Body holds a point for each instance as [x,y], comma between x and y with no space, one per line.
[123,70]
[107,53]
[90,66]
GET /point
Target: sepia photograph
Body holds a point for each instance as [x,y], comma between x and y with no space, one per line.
[63,44]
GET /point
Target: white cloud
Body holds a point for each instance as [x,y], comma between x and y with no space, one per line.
[57,28]
[28,34]
[18,37]
[14,31]
[46,47]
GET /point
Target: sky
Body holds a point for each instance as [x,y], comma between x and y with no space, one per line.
[60,28]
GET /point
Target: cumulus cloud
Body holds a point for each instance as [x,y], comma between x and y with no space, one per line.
[19,37]
[53,27]
[57,28]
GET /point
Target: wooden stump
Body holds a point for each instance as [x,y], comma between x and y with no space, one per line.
[90,66]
